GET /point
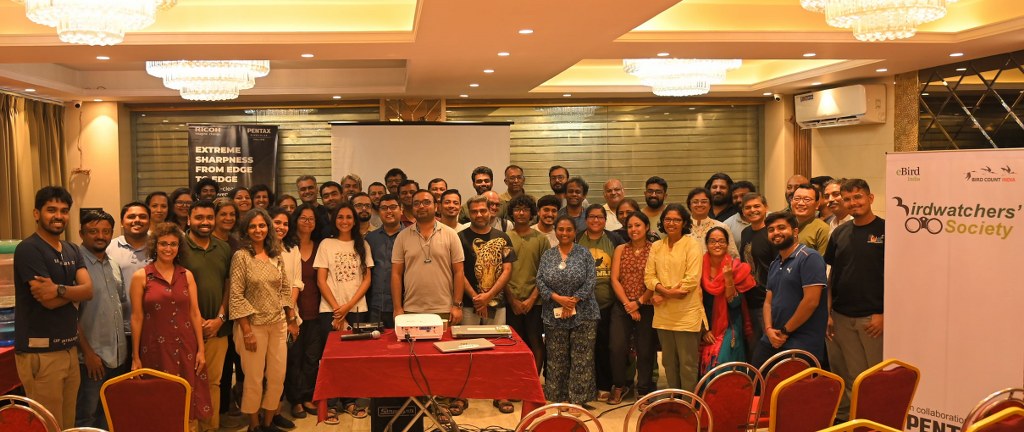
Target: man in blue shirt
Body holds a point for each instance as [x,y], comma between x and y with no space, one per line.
[795,314]
[382,243]
[130,251]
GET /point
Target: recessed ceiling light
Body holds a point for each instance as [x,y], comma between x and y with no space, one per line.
[925,94]
[881,70]
[664,113]
[504,54]
[30,90]
[463,95]
[766,94]
[956,54]
[525,31]
[809,54]
[143,114]
[815,83]
[663,54]
[165,121]
[567,95]
[102,58]
[336,97]
[692,108]
[474,85]
[488,71]
[961,69]
[97,100]
[307,55]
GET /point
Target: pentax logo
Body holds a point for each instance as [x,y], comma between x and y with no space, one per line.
[910,173]
[987,174]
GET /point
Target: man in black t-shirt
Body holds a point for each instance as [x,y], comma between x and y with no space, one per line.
[759,253]
[856,252]
[50,278]
[488,266]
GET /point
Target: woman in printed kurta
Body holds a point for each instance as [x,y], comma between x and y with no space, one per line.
[723,279]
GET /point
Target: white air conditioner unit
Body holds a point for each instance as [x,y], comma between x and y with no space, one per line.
[843,106]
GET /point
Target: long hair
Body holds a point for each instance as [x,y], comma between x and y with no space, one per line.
[292,239]
[357,238]
[164,229]
[270,243]
[274,213]
[171,216]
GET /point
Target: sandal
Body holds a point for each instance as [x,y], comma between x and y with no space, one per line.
[355,411]
[504,406]
[332,417]
[602,395]
[615,397]
[457,406]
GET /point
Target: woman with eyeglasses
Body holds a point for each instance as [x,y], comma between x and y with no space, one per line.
[672,277]
[698,201]
[181,200]
[723,279]
[305,352]
[632,317]
[166,321]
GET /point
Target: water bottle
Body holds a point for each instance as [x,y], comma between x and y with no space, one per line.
[7,292]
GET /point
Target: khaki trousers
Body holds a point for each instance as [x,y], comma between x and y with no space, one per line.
[850,352]
[215,348]
[52,379]
[269,362]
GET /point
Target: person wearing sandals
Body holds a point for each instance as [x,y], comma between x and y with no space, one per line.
[343,264]
[724,279]
[305,352]
[293,272]
[632,321]
[261,307]
[566,278]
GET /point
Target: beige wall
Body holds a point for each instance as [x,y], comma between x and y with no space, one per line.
[778,151]
[95,127]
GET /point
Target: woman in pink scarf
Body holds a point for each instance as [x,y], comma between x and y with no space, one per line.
[723,279]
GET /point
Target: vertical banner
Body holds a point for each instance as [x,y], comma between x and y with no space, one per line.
[953,289]
[232,155]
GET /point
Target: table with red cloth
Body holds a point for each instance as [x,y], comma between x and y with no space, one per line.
[8,371]
[379,368]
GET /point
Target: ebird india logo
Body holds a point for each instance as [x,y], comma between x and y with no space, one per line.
[977,219]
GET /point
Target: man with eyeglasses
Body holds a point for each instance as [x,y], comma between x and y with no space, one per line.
[558,177]
[361,201]
[382,244]
[515,181]
[814,232]
[496,209]
[655,194]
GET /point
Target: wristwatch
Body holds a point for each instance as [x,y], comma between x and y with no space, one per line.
[784,331]
[61,290]
[458,305]
[222,318]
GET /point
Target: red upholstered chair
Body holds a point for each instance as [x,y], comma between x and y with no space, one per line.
[84,429]
[805,402]
[729,391]
[558,417]
[860,425]
[1007,420]
[774,370]
[994,403]
[884,393]
[146,400]
[19,413]
[669,410]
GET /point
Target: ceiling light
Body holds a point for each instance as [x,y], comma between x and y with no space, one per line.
[30,90]
[925,94]
[463,95]
[307,55]
[474,85]
[526,31]
[809,54]
[767,94]
[91,22]
[961,69]
[97,100]
[102,58]
[874,20]
[663,54]
[882,70]
[956,54]
[567,95]
[488,71]
[815,83]
[209,80]
[503,54]
[680,77]
[336,97]
[692,108]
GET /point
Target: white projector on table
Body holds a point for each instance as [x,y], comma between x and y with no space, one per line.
[418,327]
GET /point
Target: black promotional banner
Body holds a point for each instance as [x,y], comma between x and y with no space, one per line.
[232,155]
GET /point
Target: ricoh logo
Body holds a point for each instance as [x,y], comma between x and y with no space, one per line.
[911,173]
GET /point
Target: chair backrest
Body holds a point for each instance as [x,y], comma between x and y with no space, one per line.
[884,393]
[1007,420]
[729,391]
[778,368]
[805,402]
[84,429]
[994,403]
[860,425]
[19,413]
[146,399]
[558,417]
[669,410]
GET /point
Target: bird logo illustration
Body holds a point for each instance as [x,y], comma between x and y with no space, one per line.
[1007,169]
[988,170]
[899,202]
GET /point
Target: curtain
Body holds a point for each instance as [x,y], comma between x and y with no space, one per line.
[31,156]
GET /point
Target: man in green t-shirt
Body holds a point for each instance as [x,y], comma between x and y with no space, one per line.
[523,307]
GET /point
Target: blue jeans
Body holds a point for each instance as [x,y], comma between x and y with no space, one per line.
[88,411]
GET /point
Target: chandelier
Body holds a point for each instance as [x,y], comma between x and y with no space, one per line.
[209,80]
[94,22]
[568,114]
[680,77]
[879,20]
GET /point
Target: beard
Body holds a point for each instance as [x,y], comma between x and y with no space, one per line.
[720,200]
[364,216]
[558,188]
[653,202]
[785,244]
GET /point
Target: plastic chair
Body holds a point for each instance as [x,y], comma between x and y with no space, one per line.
[776,369]
[1007,420]
[729,391]
[806,402]
[859,425]
[26,415]
[558,417]
[160,402]
[669,410]
[994,403]
[884,393]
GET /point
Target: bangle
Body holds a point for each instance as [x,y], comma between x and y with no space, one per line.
[245,335]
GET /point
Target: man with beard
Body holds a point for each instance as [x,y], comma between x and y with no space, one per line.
[206,188]
[613,195]
[834,203]
[483,182]
[514,183]
[488,266]
[405,192]
[575,195]
[451,206]
[655,193]
[558,176]
[393,179]
[719,186]
[791,184]
[131,250]
[376,190]
[363,205]
[50,278]
[351,185]
[209,260]
[382,244]
[813,231]
[330,194]
[818,182]
[737,222]
[547,212]
[101,328]
[794,311]
[756,251]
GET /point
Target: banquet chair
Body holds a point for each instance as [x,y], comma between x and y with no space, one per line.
[729,390]
[25,415]
[669,410]
[774,370]
[860,425]
[146,399]
[1007,420]
[558,417]
[805,402]
[85,429]
[884,393]
[993,403]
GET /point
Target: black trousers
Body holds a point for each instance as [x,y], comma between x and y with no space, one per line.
[602,350]
[530,327]
[644,338]
[304,362]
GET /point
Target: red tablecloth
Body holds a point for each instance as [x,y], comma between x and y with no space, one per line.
[8,371]
[380,368]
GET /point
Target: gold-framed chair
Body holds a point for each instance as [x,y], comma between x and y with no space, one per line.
[884,393]
[1012,397]
[147,399]
[558,417]
[860,425]
[805,402]
[26,415]
[730,391]
[669,410]
[1008,420]
[776,369]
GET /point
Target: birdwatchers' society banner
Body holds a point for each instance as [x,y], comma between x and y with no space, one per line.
[953,290]
[233,155]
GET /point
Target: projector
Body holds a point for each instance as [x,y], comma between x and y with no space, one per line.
[418,327]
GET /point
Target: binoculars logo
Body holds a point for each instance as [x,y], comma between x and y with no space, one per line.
[915,224]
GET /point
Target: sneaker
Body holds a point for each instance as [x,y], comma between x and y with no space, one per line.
[282,422]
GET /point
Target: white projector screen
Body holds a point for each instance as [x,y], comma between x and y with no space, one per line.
[423,150]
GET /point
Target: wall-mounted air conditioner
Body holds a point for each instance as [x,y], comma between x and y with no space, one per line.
[843,106]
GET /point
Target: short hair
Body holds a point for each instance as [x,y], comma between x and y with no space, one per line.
[234,192]
[207,204]
[788,216]
[164,229]
[718,176]
[149,198]
[355,178]
[436,180]
[742,184]
[723,230]
[392,197]
[262,188]
[481,170]
[817,194]
[376,183]
[523,200]
[579,182]
[305,177]
[836,181]
[658,181]
[204,182]
[593,207]
[125,208]
[359,194]
[50,193]
[556,168]
[566,217]
[396,172]
[694,192]
[820,181]
[476,199]
[549,200]
[632,202]
[750,196]
[330,183]
[446,193]
[855,183]
[220,203]
[283,197]
[93,216]
[270,243]
[419,191]
[513,166]
[639,215]
[407,182]
[683,213]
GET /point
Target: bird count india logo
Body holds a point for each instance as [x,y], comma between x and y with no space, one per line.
[962,219]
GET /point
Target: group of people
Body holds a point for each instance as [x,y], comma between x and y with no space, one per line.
[201,283]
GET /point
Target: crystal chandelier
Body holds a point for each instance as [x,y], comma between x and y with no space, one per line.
[568,114]
[209,80]
[879,20]
[94,22]
[680,77]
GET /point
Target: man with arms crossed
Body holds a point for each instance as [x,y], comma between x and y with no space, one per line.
[528,245]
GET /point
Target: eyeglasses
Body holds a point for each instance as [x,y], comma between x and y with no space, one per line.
[493,204]
[654,192]
[557,177]
[700,202]
[804,200]
[183,203]
[167,244]
[305,219]
[595,216]
[392,207]
[718,242]
[515,178]
[672,221]
[362,206]
[422,203]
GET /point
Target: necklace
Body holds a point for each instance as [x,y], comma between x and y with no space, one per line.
[562,265]
[425,245]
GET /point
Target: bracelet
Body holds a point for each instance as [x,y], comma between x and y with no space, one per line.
[245,335]
[458,305]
